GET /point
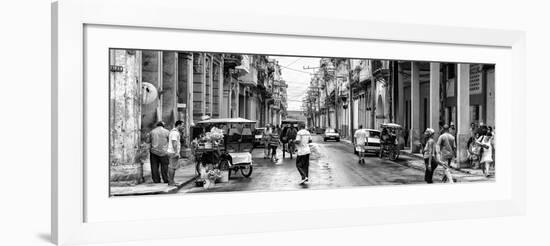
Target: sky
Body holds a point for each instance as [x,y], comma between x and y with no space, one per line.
[296,77]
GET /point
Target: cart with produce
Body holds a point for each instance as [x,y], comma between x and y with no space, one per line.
[224,146]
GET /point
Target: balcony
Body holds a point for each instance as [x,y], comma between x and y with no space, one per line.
[250,78]
[231,60]
[380,67]
[245,65]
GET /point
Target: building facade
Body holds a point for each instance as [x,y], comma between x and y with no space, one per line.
[151,86]
[348,93]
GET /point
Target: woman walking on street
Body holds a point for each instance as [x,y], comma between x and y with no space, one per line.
[429,156]
[274,142]
[267,137]
[487,153]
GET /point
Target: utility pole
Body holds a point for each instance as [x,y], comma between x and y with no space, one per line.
[336,91]
[318,93]
[351,112]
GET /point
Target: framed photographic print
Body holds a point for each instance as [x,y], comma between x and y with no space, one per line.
[267,126]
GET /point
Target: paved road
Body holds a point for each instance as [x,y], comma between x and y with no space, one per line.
[332,165]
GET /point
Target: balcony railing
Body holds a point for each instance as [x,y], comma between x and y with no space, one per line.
[231,60]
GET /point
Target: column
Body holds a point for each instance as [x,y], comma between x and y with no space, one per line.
[189,91]
[245,109]
[266,113]
[159,79]
[434,95]
[237,99]
[169,87]
[125,117]
[198,87]
[415,108]
[400,96]
[463,112]
[211,87]
[203,84]
[221,112]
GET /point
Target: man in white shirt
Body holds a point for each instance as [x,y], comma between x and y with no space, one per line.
[174,148]
[303,138]
[360,142]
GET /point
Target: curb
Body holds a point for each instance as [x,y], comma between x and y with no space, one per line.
[346,141]
[172,190]
[179,186]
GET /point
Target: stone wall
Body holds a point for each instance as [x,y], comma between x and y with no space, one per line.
[125,116]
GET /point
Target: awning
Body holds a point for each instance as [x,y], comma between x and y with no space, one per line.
[226,120]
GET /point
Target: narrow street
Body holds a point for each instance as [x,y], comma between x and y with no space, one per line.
[332,165]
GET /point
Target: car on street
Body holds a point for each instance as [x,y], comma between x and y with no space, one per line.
[319,130]
[331,134]
[373,141]
[258,136]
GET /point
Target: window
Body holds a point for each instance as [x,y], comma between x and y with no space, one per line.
[374,134]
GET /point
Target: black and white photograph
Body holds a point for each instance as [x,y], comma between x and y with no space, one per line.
[183,122]
[139,123]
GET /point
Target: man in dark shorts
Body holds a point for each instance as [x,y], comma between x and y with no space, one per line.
[302,141]
[158,156]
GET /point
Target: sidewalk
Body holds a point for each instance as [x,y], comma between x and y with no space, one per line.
[417,161]
[184,175]
[419,164]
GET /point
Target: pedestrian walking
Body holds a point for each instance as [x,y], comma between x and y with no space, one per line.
[158,155]
[283,138]
[274,142]
[429,156]
[492,131]
[474,150]
[487,152]
[267,137]
[174,148]
[446,151]
[452,129]
[303,138]
[290,136]
[360,137]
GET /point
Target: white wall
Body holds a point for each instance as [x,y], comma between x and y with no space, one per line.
[25,209]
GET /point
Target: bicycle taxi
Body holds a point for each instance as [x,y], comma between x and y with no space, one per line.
[389,140]
[288,146]
[224,144]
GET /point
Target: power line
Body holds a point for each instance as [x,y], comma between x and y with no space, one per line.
[288,65]
[296,70]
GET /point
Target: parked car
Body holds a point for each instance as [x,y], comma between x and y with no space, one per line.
[373,142]
[258,136]
[319,130]
[331,134]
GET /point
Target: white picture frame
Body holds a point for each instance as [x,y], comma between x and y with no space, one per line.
[82,212]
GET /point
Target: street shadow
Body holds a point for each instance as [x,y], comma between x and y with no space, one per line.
[304,186]
[46,237]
